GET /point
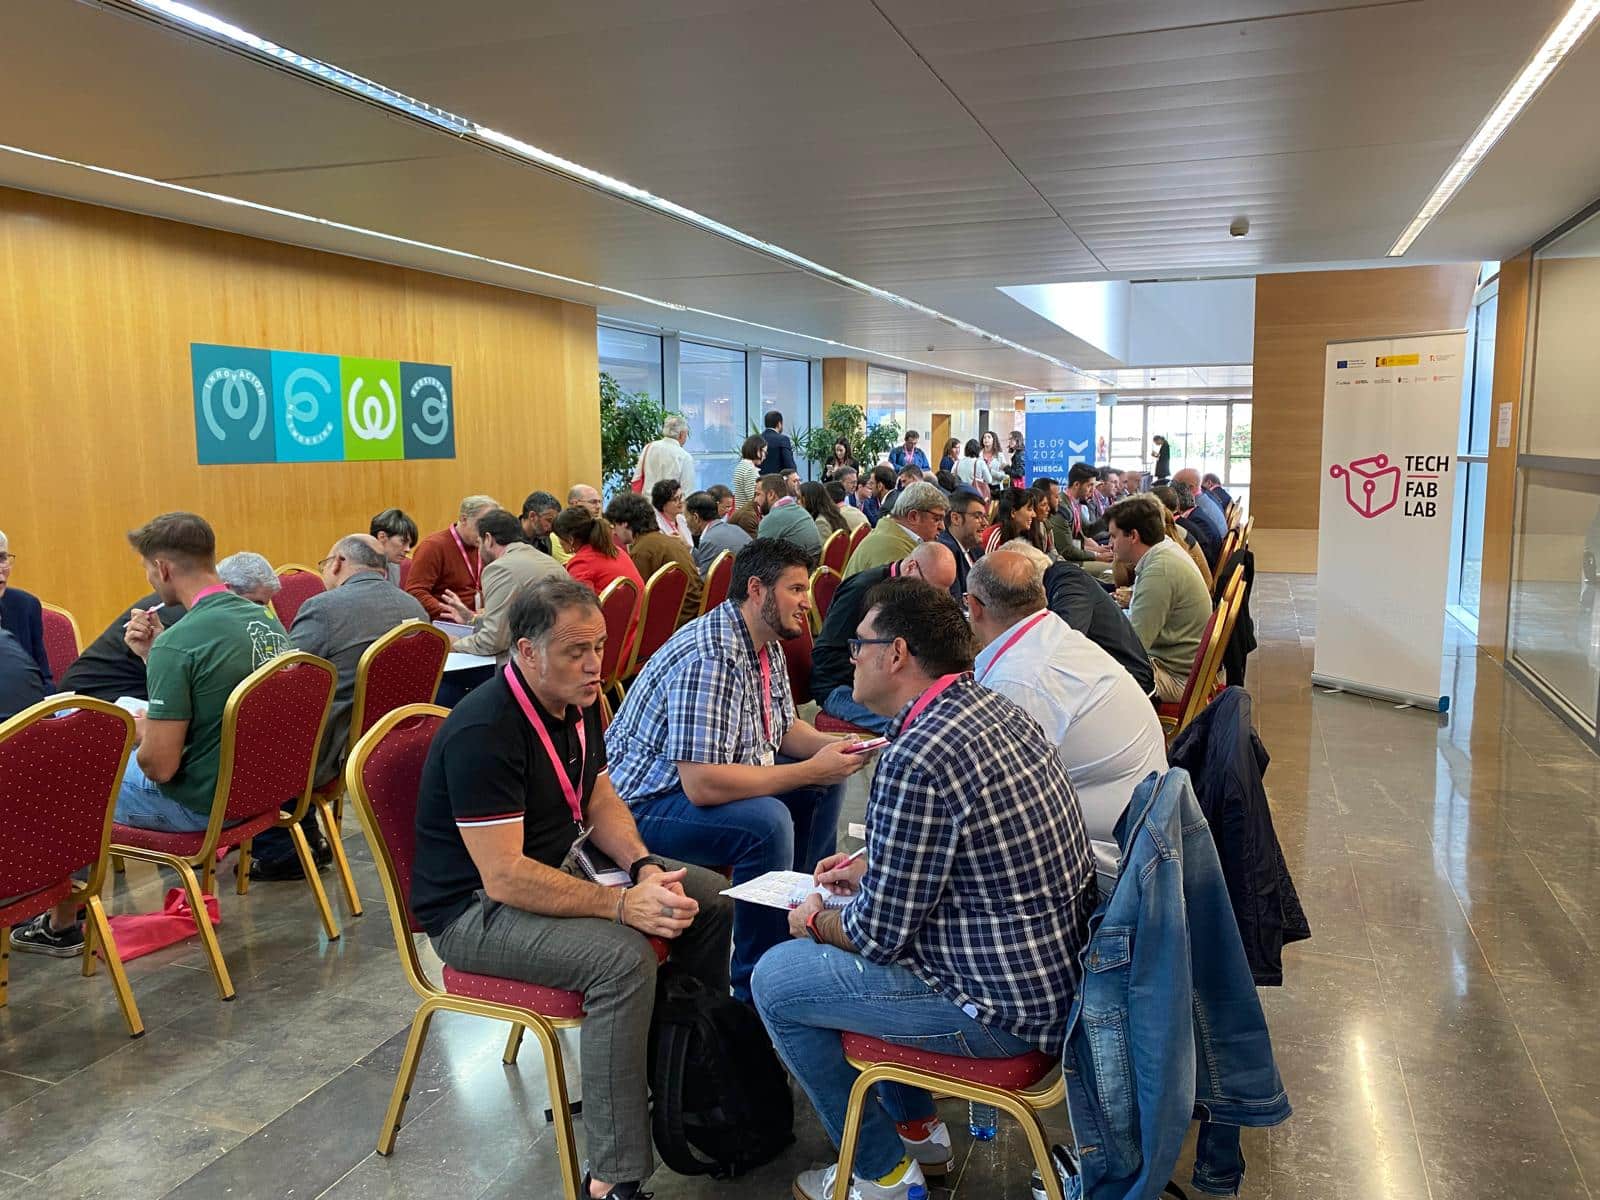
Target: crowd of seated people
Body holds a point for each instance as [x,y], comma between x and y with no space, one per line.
[957,614]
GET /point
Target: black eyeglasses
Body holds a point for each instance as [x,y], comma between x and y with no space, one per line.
[855,644]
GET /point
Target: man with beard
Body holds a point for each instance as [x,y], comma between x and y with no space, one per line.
[708,752]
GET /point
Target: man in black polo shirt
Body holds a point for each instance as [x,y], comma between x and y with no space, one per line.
[107,669]
[498,884]
[832,673]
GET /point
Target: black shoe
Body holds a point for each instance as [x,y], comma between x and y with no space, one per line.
[321,852]
[1066,1170]
[619,1191]
[36,937]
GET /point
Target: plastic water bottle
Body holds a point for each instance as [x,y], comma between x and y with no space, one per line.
[917,1192]
[982,1121]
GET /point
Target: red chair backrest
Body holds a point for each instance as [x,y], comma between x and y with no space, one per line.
[390,777]
[797,658]
[273,725]
[663,597]
[836,550]
[405,573]
[824,583]
[856,538]
[1195,672]
[296,587]
[61,647]
[402,667]
[718,579]
[619,605]
[58,779]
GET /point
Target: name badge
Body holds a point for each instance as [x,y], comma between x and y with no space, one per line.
[767,757]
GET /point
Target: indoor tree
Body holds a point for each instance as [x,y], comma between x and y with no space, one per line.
[849,422]
[628,423]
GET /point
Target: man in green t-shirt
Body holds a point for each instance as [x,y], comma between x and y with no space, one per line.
[191,669]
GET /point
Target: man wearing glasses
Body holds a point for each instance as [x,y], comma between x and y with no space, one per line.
[968,515]
[359,607]
[21,615]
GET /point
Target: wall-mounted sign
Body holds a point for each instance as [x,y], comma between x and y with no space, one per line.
[1059,432]
[262,406]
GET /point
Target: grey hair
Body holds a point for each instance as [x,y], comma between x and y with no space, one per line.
[473,505]
[1036,556]
[921,497]
[673,426]
[1006,598]
[536,608]
[246,571]
[359,551]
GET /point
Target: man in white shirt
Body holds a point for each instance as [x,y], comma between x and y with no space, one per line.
[667,459]
[1104,729]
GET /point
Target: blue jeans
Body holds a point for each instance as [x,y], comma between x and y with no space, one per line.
[841,703]
[808,994]
[142,804]
[792,832]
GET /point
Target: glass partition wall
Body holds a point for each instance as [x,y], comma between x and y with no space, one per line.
[1553,639]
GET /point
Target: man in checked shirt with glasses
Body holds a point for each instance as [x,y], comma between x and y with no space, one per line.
[966,915]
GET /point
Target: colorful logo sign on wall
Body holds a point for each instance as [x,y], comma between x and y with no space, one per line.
[262,406]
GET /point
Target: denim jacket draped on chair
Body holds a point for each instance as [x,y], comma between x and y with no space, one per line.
[1195,1044]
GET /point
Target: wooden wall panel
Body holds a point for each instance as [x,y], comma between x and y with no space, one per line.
[844,381]
[1296,316]
[1499,500]
[97,311]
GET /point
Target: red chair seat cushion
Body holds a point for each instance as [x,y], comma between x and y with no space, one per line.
[1169,708]
[188,845]
[26,907]
[1009,1074]
[830,724]
[546,1001]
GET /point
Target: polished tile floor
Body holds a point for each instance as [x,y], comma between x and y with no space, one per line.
[1439,1036]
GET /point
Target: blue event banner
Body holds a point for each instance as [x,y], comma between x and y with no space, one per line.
[1059,431]
[263,406]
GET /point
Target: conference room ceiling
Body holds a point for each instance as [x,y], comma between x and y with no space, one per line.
[936,148]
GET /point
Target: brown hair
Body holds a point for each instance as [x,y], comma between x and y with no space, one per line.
[182,538]
[580,525]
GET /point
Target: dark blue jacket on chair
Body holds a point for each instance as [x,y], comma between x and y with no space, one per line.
[23,619]
[1195,1043]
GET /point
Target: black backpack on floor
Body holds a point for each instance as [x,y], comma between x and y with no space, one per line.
[720,1102]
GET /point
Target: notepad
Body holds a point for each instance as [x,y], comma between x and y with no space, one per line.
[783,889]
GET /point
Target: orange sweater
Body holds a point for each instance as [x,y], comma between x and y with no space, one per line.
[437,567]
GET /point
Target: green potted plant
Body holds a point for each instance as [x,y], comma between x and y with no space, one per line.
[847,421]
[628,422]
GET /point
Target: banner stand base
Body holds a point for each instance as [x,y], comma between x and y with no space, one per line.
[1377,692]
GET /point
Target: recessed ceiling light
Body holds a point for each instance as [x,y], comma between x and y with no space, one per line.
[1563,39]
[189,19]
[468,256]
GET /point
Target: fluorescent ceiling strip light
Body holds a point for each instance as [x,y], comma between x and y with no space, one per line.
[467,255]
[1563,39]
[214,28]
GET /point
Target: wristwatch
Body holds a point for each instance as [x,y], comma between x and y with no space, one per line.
[639,864]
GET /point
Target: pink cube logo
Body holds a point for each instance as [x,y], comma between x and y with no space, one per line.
[1371,485]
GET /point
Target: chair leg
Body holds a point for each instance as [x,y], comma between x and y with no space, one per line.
[513,1044]
[330,829]
[119,978]
[1038,1142]
[338,808]
[208,875]
[5,965]
[202,920]
[859,1091]
[87,967]
[118,864]
[241,868]
[561,1110]
[404,1078]
[309,866]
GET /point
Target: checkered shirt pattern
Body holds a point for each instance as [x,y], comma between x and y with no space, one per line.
[698,700]
[980,878]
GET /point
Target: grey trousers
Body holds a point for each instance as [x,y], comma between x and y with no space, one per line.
[615,969]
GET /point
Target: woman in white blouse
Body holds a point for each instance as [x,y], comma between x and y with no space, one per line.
[973,471]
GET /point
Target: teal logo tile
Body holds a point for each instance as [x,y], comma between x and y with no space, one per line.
[305,407]
[428,412]
[232,404]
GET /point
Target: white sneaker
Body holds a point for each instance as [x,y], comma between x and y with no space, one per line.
[933,1153]
[818,1185]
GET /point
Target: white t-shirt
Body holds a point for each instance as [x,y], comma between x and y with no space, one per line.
[665,459]
[973,470]
[1104,728]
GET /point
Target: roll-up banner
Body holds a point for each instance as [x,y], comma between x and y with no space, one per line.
[1390,416]
[1059,432]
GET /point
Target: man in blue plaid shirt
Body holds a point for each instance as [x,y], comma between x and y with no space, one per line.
[966,917]
[710,756]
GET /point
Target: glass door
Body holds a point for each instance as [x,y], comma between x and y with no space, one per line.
[1472,477]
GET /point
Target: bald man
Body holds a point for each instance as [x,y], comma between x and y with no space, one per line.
[359,607]
[1104,728]
[832,672]
[1205,508]
[580,496]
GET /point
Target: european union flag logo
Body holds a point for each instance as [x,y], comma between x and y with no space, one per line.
[1342,364]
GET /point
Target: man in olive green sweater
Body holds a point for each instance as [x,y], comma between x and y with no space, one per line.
[918,517]
[1170,604]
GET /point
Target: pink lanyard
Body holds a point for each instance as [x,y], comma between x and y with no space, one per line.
[927,698]
[765,656]
[216,589]
[568,789]
[1012,641]
[474,573]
